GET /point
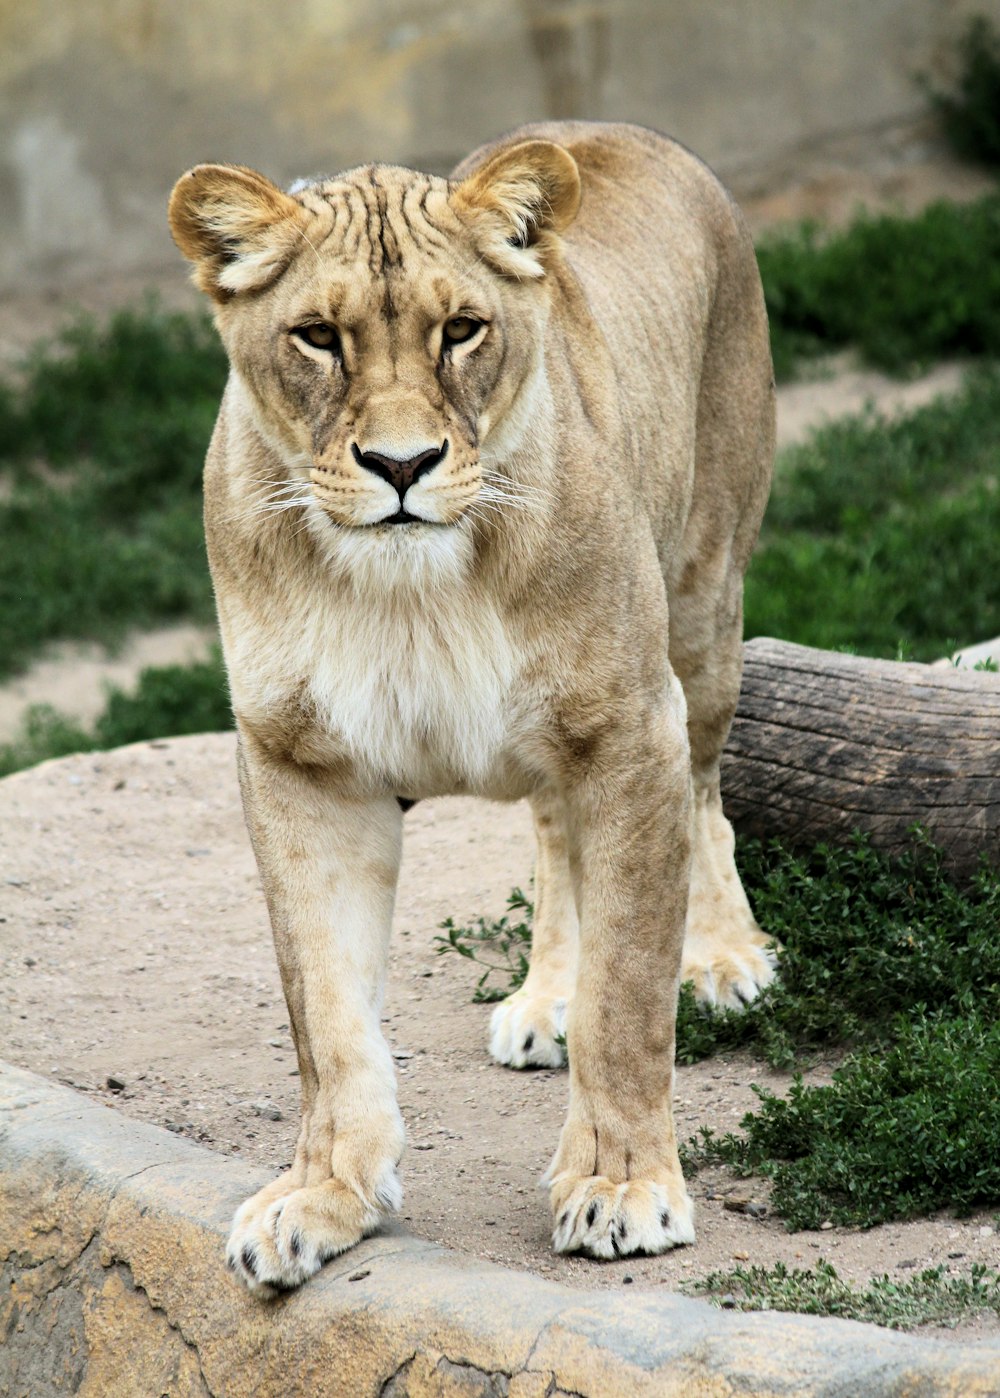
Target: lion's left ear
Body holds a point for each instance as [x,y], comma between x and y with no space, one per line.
[521,199]
[238,228]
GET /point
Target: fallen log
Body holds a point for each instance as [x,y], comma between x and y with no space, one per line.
[823,744]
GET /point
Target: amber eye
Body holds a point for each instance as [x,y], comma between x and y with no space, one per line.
[320,336]
[459,329]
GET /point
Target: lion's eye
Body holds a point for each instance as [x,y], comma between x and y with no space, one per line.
[459,329]
[320,336]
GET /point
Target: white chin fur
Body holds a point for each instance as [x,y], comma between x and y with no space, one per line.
[411,556]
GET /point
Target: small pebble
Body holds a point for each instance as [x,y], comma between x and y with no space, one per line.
[826,1225]
[360,1276]
[114,1082]
[267,1110]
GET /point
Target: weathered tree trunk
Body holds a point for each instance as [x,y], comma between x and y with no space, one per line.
[823,744]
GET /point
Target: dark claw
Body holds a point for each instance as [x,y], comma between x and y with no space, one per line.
[665,1219]
[614,1244]
[591,1214]
[528,1042]
[231,1263]
[623,1229]
[249,1259]
[563,1219]
[295,1243]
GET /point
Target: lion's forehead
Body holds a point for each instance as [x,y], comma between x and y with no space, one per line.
[382,217]
[385,246]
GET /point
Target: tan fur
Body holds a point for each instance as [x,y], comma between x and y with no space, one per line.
[560,622]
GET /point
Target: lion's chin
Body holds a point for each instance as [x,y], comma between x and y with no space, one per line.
[411,553]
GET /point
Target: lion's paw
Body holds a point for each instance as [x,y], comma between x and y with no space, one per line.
[603,1219]
[528,1031]
[730,974]
[280,1240]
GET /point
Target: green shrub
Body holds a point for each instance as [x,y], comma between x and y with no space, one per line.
[848,919]
[900,1132]
[102,447]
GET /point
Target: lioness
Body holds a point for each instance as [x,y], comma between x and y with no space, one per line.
[488,470]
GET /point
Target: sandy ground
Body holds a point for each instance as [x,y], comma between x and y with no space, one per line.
[135,947]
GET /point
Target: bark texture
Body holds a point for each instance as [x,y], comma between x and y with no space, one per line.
[823,744]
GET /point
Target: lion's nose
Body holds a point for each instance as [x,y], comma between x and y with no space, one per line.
[400,473]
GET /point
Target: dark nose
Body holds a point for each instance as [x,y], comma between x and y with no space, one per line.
[400,474]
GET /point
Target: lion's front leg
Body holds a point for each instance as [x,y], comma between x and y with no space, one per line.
[616,1184]
[329,867]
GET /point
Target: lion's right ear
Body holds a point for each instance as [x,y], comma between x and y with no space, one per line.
[238,228]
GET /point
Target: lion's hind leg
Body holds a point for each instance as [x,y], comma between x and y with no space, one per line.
[528,1029]
[726,955]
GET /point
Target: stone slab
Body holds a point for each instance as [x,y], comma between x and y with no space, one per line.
[114,1286]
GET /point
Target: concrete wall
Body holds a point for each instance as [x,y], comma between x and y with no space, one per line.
[104,102]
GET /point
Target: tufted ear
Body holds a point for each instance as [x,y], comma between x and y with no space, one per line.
[238,228]
[521,199]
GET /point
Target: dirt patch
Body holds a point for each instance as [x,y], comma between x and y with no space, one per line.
[135,947]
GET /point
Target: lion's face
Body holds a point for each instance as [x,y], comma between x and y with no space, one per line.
[383,322]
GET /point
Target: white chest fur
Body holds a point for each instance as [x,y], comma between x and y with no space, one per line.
[415,690]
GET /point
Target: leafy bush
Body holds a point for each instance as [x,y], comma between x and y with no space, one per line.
[848,919]
[899,1132]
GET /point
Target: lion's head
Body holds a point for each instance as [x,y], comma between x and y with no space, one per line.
[383,322]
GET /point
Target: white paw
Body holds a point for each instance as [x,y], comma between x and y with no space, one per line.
[278,1243]
[731,976]
[604,1219]
[528,1031]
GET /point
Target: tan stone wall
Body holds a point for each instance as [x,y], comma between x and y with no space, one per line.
[104,102]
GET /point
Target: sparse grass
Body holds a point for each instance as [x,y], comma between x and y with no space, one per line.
[932,1297]
[499,946]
